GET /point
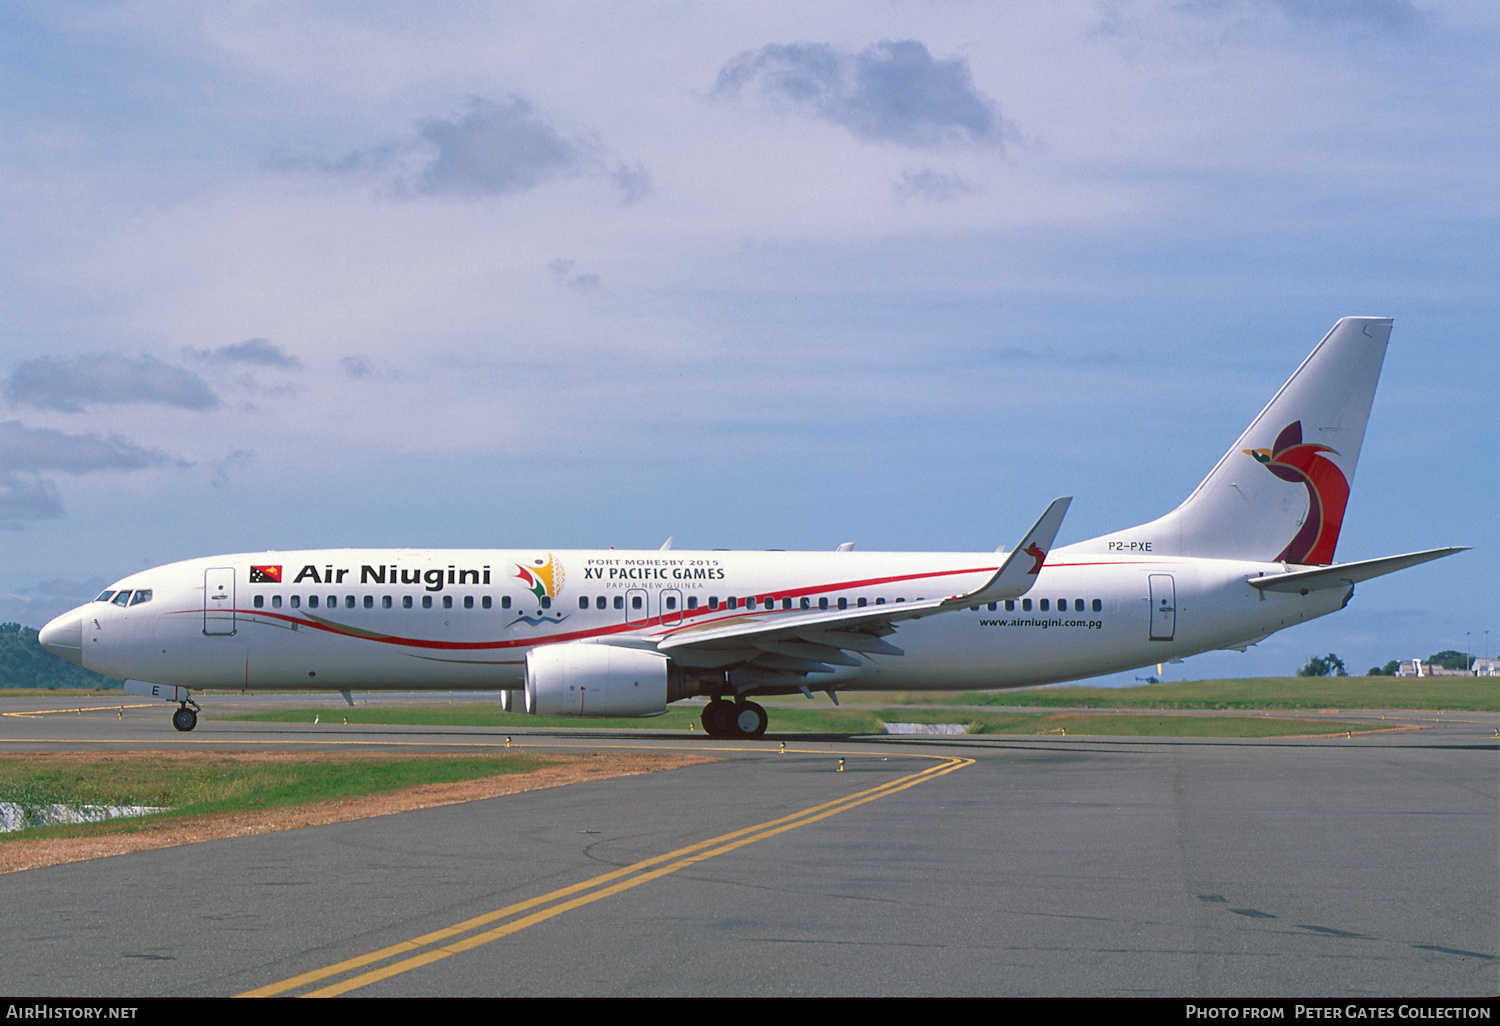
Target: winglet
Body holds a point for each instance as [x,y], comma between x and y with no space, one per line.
[1020,569]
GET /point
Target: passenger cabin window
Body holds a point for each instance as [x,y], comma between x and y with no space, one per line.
[1098,606]
[260,600]
[1010,605]
[1042,605]
[349,601]
[843,602]
[312,602]
[504,601]
[275,601]
[369,601]
[619,601]
[385,602]
[1026,605]
[426,601]
[485,602]
[1078,605]
[862,602]
[601,602]
[447,601]
[635,602]
[405,601]
[296,601]
[583,601]
[692,602]
[468,601]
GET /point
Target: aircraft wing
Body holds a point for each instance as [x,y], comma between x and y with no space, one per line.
[813,641]
[1345,574]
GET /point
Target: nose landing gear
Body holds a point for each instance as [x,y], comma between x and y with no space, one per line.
[184,718]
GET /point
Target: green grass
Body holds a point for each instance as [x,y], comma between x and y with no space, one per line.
[1474,694]
[1144,725]
[209,783]
[826,719]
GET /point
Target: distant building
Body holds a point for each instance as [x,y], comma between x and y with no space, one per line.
[1417,668]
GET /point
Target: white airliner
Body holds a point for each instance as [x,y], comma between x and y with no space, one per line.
[614,633]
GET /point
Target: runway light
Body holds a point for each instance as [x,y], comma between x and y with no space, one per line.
[783,748]
[841,765]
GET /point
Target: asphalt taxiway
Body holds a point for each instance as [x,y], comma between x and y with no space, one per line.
[1362,866]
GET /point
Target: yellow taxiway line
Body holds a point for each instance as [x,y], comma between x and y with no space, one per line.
[460,937]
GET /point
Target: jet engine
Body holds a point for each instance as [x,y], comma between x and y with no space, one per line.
[579,679]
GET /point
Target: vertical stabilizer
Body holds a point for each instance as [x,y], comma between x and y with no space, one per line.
[1280,491]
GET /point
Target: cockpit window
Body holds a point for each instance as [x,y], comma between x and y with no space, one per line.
[123,597]
[141,595]
[105,596]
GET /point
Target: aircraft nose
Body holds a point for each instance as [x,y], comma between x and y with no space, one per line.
[63,637]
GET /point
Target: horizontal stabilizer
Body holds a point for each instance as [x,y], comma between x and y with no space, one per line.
[1304,581]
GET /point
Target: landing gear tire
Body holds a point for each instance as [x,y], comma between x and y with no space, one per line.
[184,719]
[749,720]
[737,720]
[718,718]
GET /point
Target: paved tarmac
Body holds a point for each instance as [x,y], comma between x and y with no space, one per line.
[968,866]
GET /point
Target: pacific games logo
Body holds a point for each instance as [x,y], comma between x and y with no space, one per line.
[1292,459]
[544,577]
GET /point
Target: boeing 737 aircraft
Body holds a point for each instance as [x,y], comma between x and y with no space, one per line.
[613,633]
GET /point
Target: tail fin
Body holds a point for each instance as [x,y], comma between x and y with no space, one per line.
[1278,494]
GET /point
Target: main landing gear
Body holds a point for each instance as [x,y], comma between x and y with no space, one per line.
[185,718]
[737,720]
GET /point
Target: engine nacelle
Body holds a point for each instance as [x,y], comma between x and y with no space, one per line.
[578,679]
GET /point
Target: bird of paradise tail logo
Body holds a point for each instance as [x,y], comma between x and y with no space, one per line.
[544,577]
[1292,459]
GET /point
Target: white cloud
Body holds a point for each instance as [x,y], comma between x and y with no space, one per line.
[27,453]
[72,384]
[893,91]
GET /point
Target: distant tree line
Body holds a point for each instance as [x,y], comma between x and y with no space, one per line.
[1323,666]
[1331,665]
[24,663]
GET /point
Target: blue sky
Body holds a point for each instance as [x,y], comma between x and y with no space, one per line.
[296,275]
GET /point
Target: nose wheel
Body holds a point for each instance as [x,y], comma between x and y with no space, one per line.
[184,718]
[735,720]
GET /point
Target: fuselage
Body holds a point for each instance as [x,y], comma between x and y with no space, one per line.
[466,619]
